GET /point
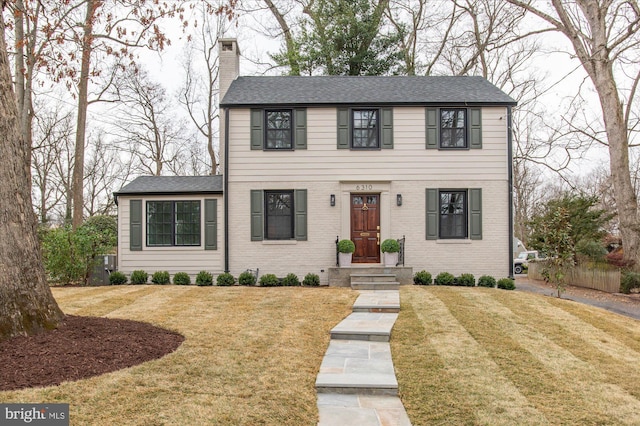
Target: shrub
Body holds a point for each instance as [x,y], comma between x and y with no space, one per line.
[69,256]
[346,246]
[312,280]
[247,278]
[139,277]
[181,278]
[117,277]
[291,280]
[204,278]
[225,280]
[486,281]
[592,250]
[160,277]
[390,246]
[422,278]
[444,278]
[466,280]
[629,281]
[506,284]
[269,280]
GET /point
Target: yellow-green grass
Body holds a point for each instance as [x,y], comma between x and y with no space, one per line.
[477,356]
[250,357]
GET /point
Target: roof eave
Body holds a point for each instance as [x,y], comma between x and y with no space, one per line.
[358,104]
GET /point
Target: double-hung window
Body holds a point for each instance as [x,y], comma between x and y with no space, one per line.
[279,215]
[453,128]
[366,133]
[278,131]
[173,223]
[453,214]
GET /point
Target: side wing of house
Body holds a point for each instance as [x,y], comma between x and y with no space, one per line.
[174,233]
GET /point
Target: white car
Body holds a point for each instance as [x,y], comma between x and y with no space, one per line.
[521,262]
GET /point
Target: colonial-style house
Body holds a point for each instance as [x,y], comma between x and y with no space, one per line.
[308,160]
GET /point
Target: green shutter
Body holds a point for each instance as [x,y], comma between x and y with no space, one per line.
[432,127]
[300,201]
[211,224]
[343,128]
[475,214]
[300,122]
[257,128]
[432,214]
[135,225]
[387,128]
[475,128]
[257,216]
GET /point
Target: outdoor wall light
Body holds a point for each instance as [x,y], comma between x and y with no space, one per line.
[399,199]
[332,200]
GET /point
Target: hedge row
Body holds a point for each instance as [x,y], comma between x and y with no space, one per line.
[205,278]
[465,280]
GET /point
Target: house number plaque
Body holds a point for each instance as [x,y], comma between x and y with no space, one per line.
[364,187]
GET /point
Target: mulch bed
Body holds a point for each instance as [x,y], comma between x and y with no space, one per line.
[82,347]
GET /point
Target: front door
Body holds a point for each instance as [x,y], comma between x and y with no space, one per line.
[365,227]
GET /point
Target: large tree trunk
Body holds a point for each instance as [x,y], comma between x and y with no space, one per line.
[26,303]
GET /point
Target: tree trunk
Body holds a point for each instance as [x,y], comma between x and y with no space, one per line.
[26,303]
[78,165]
[617,135]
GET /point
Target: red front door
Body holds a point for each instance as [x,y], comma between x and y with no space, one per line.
[365,227]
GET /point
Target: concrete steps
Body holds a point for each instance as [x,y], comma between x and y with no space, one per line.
[367,326]
[374,282]
[378,301]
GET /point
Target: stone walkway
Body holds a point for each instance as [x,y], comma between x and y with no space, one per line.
[357,384]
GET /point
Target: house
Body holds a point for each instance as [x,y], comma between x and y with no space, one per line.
[308,160]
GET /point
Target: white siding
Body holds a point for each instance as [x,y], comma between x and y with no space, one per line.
[408,160]
[408,169]
[172,259]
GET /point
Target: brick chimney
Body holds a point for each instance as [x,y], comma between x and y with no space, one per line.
[229,56]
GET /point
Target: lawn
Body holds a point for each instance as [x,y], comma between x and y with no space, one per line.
[492,357]
[463,356]
[250,357]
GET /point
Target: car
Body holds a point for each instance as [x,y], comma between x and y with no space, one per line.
[521,262]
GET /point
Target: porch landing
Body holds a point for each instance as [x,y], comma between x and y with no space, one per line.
[341,277]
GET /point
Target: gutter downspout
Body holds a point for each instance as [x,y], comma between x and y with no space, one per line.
[510,187]
[226,190]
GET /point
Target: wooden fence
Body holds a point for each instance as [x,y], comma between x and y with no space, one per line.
[581,276]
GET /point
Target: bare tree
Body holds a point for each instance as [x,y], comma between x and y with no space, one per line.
[199,94]
[104,170]
[26,303]
[53,134]
[605,38]
[147,126]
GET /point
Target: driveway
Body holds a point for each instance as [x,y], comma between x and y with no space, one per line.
[622,304]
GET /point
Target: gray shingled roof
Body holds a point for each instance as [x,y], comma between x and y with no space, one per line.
[341,90]
[158,185]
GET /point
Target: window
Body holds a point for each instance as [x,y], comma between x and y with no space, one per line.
[278,129]
[173,223]
[278,214]
[365,128]
[453,128]
[279,224]
[453,214]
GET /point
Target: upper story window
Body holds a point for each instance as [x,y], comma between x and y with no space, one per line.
[173,223]
[453,214]
[453,128]
[278,129]
[365,129]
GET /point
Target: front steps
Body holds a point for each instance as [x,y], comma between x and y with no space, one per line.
[341,277]
[374,282]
